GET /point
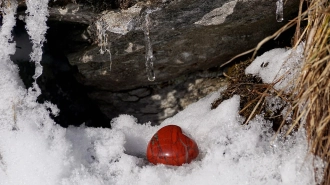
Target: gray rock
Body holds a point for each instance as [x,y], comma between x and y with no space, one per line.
[157,102]
[186,36]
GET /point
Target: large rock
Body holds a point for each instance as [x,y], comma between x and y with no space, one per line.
[187,36]
[158,102]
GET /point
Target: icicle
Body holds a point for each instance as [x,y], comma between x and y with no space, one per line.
[149,51]
[102,37]
[37,13]
[279,10]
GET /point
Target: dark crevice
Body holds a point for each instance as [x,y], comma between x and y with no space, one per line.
[57,83]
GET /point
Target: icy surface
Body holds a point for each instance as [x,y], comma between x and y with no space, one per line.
[279,10]
[103,43]
[36,151]
[150,58]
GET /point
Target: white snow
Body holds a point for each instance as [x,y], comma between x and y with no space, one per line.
[36,151]
[37,13]
[278,64]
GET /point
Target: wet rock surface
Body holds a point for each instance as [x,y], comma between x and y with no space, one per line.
[188,37]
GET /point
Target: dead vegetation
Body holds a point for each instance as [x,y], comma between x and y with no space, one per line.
[253,95]
[309,101]
[312,92]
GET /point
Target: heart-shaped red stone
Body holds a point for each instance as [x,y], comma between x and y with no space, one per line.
[171,147]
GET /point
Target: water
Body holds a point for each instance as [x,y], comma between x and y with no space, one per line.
[150,58]
[279,10]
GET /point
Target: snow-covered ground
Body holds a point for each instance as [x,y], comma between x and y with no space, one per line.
[36,151]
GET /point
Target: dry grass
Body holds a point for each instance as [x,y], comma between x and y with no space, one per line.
[250,89]
[253,95]
[312,92]
[310,99]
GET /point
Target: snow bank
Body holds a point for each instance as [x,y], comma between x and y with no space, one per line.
[230,153]
[278,65]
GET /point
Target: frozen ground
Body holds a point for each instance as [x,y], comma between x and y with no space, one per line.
[36,151]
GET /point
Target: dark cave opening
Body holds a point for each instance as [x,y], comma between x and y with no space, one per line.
[57,83]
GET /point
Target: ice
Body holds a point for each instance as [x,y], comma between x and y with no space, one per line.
[123,22]
[36,17]
[104,44]
[119,22]
[150,58]
[37,13]
[279,10]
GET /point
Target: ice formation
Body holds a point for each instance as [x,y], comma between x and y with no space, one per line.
[104,44]
[121,22]
[150,58]
[279,10]
[37,13]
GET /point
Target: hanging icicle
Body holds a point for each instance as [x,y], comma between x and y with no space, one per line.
[37,13]
[279,10]
[102,36]
[149,51]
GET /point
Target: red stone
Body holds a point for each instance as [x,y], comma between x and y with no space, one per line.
[171,147]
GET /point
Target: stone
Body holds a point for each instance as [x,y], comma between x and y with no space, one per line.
[188,37]
[158,102]
[57,84]
[170,146]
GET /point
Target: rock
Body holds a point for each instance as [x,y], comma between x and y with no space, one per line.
[187,37]
[171,147]
[157,102]
[57,83]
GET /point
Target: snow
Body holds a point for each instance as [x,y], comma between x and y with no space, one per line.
[276,64]
[34,150]
[37,12]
